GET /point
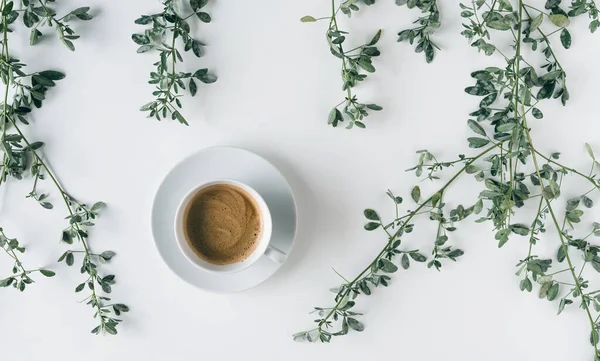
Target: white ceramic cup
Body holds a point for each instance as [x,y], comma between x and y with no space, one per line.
[263,248]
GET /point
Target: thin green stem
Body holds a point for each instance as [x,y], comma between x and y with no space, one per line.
[572,170]
[339,274]
[533,224]
[344,66]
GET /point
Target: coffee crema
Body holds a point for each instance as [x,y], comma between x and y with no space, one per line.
[222,224]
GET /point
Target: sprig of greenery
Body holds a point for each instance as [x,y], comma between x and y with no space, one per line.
[580,7]
[166,27]
[20,277]
[429,23]
[38,13]
[399,227]
[511,170]
[355,62]
[21,157]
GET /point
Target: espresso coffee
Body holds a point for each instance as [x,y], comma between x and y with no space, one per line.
[222,224]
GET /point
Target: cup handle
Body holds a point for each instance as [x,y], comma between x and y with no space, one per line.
[275,254]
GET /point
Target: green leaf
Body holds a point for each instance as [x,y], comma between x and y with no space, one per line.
[476,127]
[536,22]
[588,202]
[565,38]
[121,307]
[375,38]
[477,142]
[596,263]
[590,151]
[106,288]
[308,19]
[519,229]
[208,78]
[177,115]
[366,64]
[551,192]
[561,254]
[559,20]
[544,289]
[478,207]
[502,236]
[506,5]
[52,74]
[506,127]
[47,273]
[498,24]
[416,194]
[43,81]
[62,257]
[405,262]
[83,16]
[96,330]
[81,10]
[34,36]
[553,292]
[374,107]
[355,324]
[143,20]
[561,306]
[372,226]
[418,257]
[97,206]
[526,285]
[388,266]
[364,288]
[110,329]
[196,48]
[107,255]
[198,4]
[70,259]
[66,237]
[6,282]
[371,215]
[140,39]
[193,87]
[332,117]
[537,114]
[144,48]
[204,17]
[7,8]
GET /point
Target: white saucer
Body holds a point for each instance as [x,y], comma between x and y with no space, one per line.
[223,163]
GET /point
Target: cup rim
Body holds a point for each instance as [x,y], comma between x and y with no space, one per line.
[265,239]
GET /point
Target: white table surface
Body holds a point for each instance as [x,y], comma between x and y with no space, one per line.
[277,82]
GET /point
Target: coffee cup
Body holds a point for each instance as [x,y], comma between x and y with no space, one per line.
[225,192]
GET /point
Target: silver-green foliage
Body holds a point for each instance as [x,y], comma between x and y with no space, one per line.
[511,170]
[22,159]
[163,30]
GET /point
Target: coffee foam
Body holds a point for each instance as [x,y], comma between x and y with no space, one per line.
[222,224]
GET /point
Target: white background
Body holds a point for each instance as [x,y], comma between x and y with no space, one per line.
[277,83]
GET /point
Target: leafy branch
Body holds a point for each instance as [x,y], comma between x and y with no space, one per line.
[38,13]
[21,157]
[371,275]
[355,62]
[166,28]
[511,170]
[429,23]
[20,277]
